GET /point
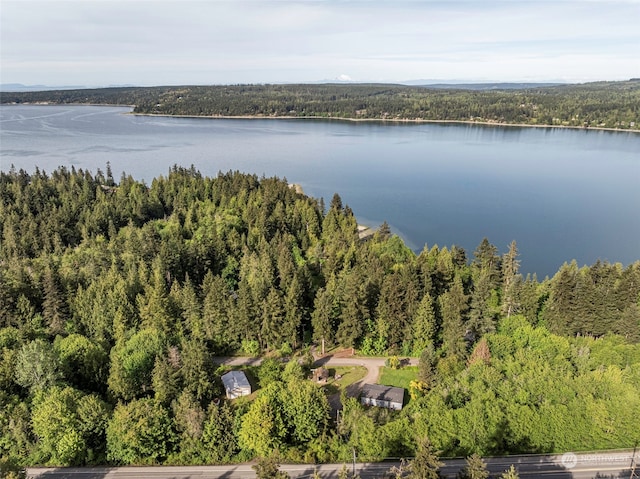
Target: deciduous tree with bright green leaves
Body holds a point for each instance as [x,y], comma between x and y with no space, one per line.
[306,410]
[264,427]
[69,425]
[132,364]
[140,432]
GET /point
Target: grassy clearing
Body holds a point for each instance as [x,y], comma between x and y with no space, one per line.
[398,377]
[350,375]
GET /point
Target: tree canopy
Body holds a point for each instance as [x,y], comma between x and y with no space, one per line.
[115,296]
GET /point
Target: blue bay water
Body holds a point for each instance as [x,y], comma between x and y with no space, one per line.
[561,194]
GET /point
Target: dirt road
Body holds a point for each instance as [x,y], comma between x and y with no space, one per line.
[372,365]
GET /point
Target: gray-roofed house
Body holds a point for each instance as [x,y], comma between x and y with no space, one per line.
[382,396]
[236,384]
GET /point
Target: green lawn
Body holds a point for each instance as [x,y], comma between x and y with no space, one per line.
[350,374]
[398,377]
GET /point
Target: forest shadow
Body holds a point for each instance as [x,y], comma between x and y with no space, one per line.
[103,472]
[626,474]
[70,472]
[227,475]
[322,361]
[375,470]
[531,466]
[502,442]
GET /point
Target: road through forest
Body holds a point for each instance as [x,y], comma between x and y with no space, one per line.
[601,464]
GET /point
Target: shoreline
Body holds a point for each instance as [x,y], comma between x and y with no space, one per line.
[335,118]
[385,120]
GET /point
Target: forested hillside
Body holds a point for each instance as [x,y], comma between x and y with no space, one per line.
[115,296]
[601,104]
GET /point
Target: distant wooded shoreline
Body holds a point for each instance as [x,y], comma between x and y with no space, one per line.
[609,106]
[385,120]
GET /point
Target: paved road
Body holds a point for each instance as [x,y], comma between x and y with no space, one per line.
[582,466]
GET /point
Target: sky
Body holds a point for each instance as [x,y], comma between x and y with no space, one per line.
[152,42]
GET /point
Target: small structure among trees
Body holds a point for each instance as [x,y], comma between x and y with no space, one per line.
[236,384]
[320,375]
[382,396]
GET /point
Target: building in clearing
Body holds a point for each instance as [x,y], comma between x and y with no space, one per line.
[236,384]
[382,396]
[320,375]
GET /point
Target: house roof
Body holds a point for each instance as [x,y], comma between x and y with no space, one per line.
[320,374]
[235,379]
[383,393]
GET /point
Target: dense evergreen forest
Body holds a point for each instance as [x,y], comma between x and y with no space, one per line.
[600,104]
[115,296]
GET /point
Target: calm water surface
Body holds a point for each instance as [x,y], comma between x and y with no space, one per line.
[561,194]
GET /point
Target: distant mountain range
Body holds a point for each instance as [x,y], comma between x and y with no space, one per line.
[482,86]
[21,87]
[444,84]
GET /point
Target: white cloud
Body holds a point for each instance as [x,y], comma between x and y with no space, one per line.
[229,41]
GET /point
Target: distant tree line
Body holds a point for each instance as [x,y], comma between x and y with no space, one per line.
[115,296]
[599,104]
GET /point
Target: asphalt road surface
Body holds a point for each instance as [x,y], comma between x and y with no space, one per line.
[604,464]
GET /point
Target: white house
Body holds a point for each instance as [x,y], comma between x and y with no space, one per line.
[382,396]
[236,384]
